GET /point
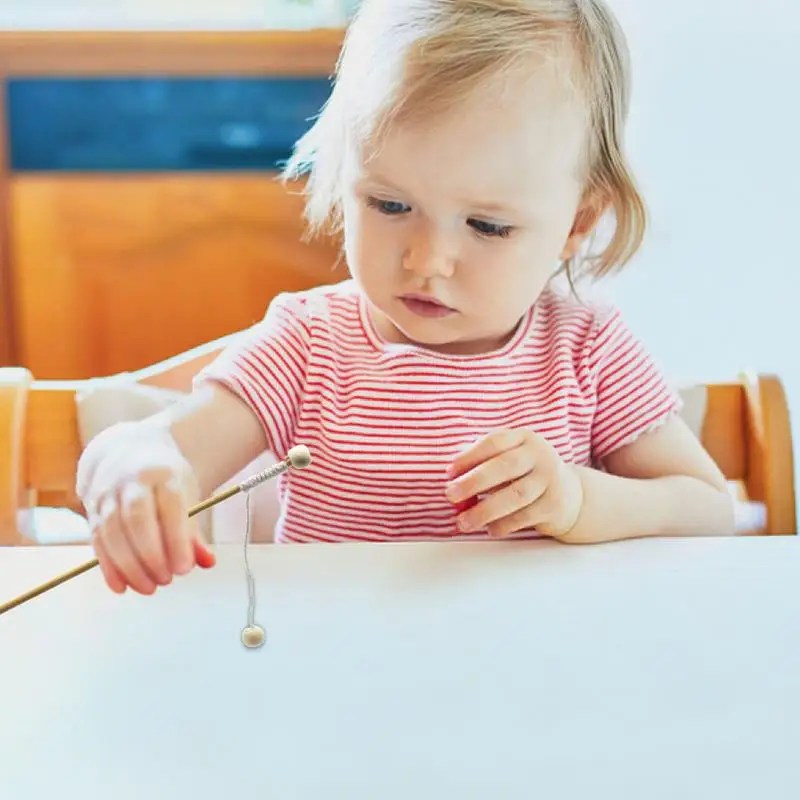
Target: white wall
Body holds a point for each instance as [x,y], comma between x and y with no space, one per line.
[714,139]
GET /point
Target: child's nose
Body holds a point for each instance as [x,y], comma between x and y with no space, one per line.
[430,267]
[429,259]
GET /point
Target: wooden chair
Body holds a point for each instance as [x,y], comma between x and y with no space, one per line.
[745,427]
[40,441]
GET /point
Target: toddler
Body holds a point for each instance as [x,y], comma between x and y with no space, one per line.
[449,389]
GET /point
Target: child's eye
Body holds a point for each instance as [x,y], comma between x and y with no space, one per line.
[388,207]
[490,228]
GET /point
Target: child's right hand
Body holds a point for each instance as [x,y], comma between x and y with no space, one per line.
[137,487]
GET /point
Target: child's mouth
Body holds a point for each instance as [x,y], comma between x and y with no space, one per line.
[424,306]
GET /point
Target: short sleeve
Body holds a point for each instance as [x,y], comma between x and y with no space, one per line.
[632,395]
[266,368]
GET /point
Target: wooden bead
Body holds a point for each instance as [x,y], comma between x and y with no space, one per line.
[253,636]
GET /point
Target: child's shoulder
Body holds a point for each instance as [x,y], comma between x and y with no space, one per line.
[577,322]
[312,307]
[318,300]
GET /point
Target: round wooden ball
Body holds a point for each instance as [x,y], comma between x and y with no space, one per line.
[253,636]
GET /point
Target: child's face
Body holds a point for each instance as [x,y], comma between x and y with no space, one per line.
[475,211]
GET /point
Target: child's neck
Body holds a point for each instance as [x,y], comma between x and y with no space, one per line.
[472,347]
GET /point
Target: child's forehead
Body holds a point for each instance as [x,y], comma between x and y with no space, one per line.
[505,139]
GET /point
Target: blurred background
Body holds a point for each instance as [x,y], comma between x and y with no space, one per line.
[139,215]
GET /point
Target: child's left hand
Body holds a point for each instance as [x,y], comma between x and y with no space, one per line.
[525,482]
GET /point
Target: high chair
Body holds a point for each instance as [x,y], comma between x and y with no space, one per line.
[744,424]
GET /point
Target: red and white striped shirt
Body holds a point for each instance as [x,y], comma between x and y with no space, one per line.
[384,420]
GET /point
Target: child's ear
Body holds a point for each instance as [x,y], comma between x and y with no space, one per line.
[589,214]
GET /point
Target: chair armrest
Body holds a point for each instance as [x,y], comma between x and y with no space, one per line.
[15,384]
[780,469]
[770,449]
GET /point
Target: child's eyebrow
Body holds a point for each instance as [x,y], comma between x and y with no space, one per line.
[491,208]
[500,208]
[375,178]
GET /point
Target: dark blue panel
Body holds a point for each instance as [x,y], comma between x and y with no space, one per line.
[158,124]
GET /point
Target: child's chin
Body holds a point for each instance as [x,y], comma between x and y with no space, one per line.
[422,331]
[428,336]
[438,338]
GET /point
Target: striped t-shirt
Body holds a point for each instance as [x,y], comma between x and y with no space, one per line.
[384,420]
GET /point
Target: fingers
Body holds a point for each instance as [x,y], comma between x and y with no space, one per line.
[179,554]
[143,537]
[504,468]
[527,518]
[509,481]
[487,448]
[518,499]
[116,582]
[135,497]
[497,475]
[142,530]
[113,541]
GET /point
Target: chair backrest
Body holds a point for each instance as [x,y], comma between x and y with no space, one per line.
[745,426]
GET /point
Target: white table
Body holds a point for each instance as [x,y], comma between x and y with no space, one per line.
[649,670]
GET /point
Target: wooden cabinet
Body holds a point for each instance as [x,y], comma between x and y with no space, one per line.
[107,271]
[113,274]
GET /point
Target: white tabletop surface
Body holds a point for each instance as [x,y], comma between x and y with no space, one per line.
[649,670]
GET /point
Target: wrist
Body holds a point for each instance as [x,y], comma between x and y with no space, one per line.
[181,466]
[573,503]
[587,526]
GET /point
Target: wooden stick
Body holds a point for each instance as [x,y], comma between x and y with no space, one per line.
[298,457]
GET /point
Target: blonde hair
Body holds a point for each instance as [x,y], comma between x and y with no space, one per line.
[403,57]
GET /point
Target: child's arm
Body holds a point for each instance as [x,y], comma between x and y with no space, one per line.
[137,481]
[663,484]
[659,480]
[216,432]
